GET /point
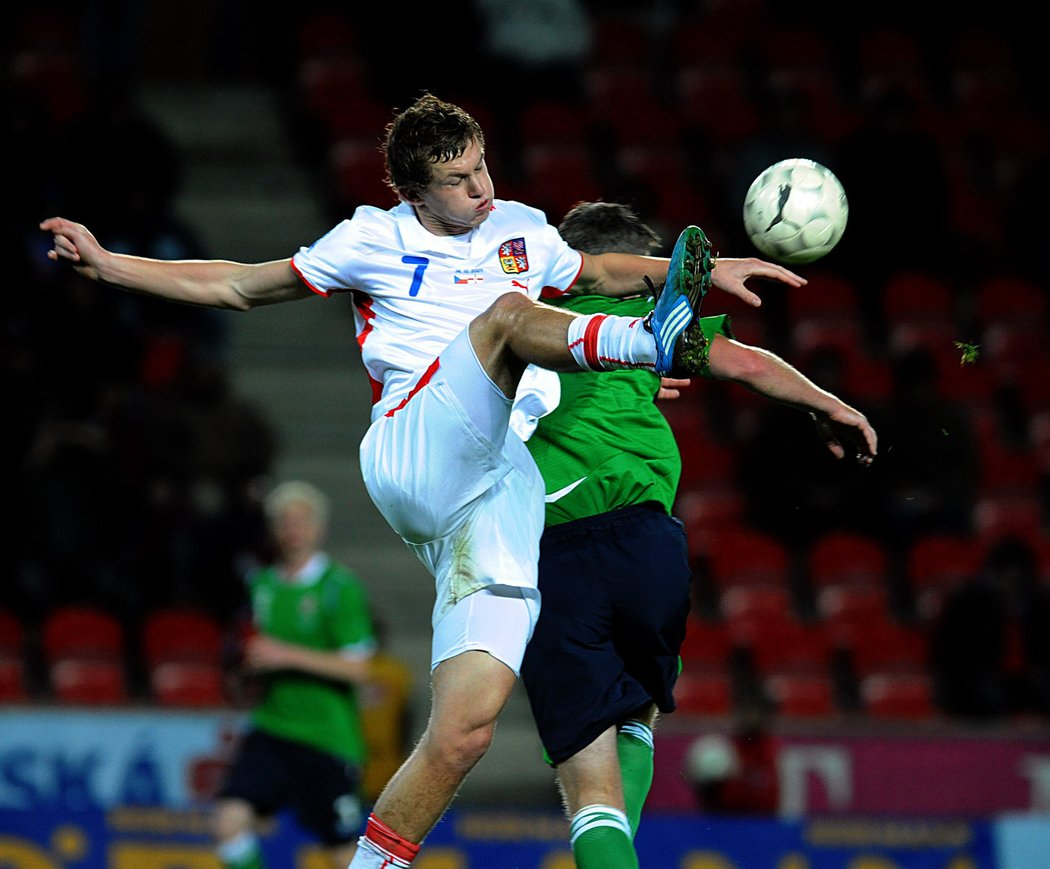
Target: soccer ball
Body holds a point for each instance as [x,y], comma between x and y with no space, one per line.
[795,211]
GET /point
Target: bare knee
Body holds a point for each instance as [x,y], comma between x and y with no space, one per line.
[232,818]
[494,329]
[459,745]
[505,342]
[504,316]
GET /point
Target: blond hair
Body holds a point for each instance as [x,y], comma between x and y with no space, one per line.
[297,491]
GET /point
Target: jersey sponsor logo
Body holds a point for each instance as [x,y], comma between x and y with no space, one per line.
[513,257]
[562,492]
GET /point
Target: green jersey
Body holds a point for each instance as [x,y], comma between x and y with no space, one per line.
[324,608]
[607,445]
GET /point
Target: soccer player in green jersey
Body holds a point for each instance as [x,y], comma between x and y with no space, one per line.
[310,648]
[613,571]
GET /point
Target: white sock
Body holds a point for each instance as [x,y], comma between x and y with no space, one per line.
[240,849]
[367,857]
[604,342]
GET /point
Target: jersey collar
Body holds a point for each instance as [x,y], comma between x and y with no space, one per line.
[416,237]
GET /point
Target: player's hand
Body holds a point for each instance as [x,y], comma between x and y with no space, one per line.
[73,244]
[730,275]
[263,653]
[847,431]
[671,387]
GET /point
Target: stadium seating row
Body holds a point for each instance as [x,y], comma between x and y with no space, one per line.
[876,666]
[85,650]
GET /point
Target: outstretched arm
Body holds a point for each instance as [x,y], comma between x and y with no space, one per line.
[767,374]
[266,654]
[211,283]
[621,274]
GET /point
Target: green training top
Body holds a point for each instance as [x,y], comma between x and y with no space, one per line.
[608,445]
[325,609]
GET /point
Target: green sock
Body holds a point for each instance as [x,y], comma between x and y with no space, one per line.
[601,838]
[634,744]
[243,852]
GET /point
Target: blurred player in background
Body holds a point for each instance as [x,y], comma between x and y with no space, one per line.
[310,651]
[736,773]
[446,286]
[614,570]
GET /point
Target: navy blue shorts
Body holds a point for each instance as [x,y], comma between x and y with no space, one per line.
[615,597]
[323,790]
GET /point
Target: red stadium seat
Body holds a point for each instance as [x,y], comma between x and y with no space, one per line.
[746,556]
[619,38]
[188,683]
[181,634]
[704,692]
[1006,470]
[847,558]
[842,606]
[358,169]
[621,102]
[90,681]
[802,695]
[883,644]
[1009,515]
[956,380]
[12,634]
[812,333]
[559,174]
[745,604]
[706,463]
[717,101]
[749,326]
[707,645]
[663,169]
[892,57]
[784,644]
[708,512]
[12,659]
[800,48]
[326,34]
[549,121]
[862,376]
[826,298]
[1039,437]
[936,563]
[692,42]
[83,650]
[1033,386]
[935,336]
[1011,299]
[81,630]
[907,696]
[1012,349]
[12,679]
[918,297]
[335,94]
[617,89]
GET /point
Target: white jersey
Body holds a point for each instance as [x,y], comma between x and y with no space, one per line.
[415,291]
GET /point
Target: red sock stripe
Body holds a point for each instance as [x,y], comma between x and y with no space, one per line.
[590,342]
[390,842]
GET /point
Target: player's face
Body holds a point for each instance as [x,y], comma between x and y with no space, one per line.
[459,196]
[296,530]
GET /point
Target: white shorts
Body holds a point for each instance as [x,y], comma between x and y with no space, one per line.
[498,620]
[459,487]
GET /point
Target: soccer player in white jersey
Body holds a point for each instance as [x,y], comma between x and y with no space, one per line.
[446,287]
